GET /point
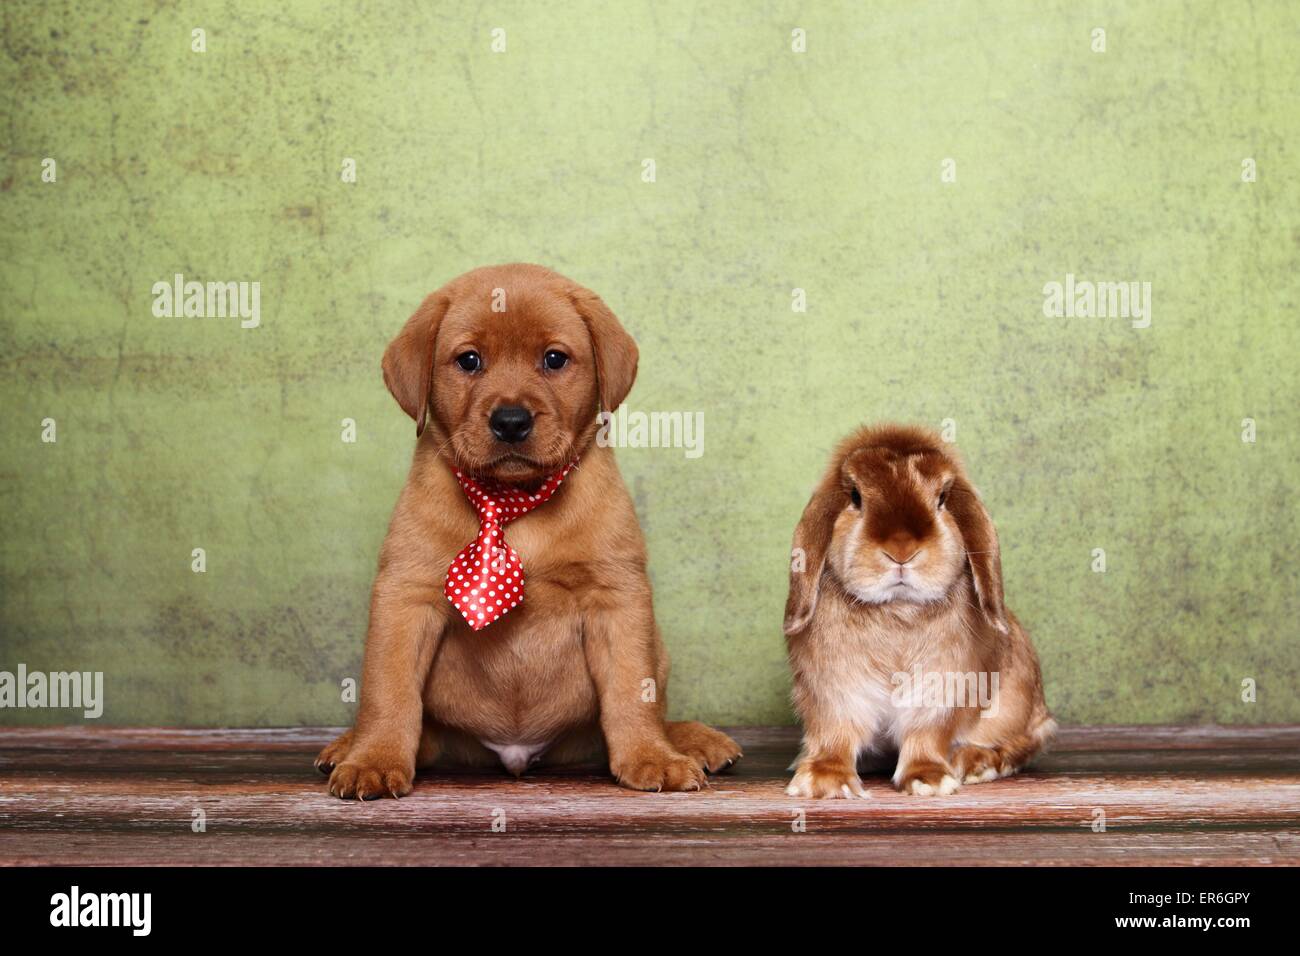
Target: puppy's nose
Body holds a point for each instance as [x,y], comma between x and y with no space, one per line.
[511,423]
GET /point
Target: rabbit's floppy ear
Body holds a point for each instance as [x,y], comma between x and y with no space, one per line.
[812,541]
[408,360]
[982,551]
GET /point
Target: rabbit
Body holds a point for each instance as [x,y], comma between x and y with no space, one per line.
[898,637]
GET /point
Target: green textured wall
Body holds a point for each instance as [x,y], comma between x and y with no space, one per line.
[775,170]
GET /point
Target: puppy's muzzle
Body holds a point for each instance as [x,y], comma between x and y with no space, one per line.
[511,423]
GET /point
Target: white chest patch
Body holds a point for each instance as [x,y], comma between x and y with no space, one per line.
[517,758]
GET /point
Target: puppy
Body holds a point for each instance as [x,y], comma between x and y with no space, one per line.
[511,617]
[897,632]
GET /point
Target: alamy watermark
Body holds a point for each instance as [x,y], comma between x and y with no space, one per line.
[1098,300]
[211,300]
[627,429]
[56,689]
[77,908]
[946,689]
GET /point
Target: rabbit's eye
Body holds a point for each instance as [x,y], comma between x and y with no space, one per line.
[856,497]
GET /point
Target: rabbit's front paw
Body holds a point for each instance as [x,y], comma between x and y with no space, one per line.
[926,780]
[980,764]
[818,779]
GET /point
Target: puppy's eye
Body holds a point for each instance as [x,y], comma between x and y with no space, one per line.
[856,497]
[469,361]
[943,496]
[555,360]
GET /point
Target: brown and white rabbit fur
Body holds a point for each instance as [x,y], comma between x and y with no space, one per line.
[902,576]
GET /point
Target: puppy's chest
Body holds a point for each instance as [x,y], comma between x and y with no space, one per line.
[522,679]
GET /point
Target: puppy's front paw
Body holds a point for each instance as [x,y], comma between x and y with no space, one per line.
[712,749]
[658,768]
[927,780]
[370,776]
[817,780]
[334,752]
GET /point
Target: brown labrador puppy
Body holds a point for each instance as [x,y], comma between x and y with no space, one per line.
[503,370]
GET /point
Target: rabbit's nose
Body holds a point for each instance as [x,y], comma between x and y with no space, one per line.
[893,549]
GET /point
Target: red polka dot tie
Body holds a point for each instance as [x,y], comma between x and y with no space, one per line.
[487,578]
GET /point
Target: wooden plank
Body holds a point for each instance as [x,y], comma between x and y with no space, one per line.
[85,737]
[223,848]
[89,764]
[582,803]
[1209,736]
[107,796]
[1116,737]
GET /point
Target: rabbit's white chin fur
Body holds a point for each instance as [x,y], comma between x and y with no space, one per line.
[893,591]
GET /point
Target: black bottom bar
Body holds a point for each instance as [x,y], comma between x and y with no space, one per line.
[994,906]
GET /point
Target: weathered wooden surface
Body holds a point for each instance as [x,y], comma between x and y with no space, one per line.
[1228,796]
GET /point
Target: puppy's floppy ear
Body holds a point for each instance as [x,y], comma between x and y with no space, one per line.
[982,551]
[616,351]
[408,360]
[812,541]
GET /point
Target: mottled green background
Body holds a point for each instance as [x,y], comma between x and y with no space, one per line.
[775,171]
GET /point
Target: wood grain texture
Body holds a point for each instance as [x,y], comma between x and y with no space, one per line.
[1171,796]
